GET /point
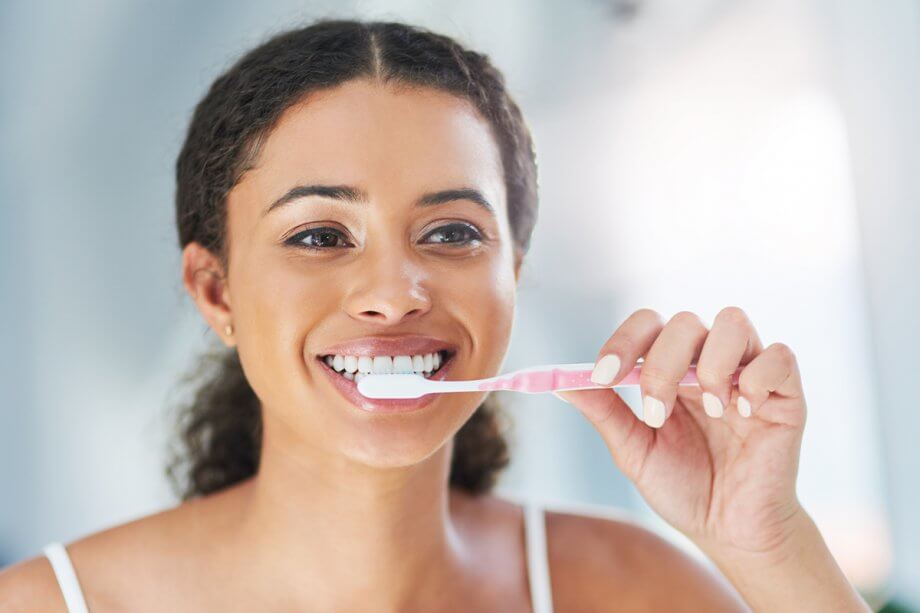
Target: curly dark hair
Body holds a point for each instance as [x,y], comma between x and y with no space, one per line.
[221,426]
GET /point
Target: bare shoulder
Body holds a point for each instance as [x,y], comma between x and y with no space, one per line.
[115,566]
[604,558]
[101,561]
[30,585]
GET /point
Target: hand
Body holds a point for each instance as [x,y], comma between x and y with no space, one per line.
[717,463]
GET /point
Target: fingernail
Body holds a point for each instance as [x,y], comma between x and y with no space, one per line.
[653,412]
[712,405]
[744,407]
[606,369]
[561,398]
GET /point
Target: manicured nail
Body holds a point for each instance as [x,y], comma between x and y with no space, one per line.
[744,407]
[653,412]
[561,398]
[606,369]
[712,405]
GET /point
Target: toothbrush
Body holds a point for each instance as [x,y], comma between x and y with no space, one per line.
[534,380]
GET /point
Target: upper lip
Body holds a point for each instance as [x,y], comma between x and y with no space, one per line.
[371,346]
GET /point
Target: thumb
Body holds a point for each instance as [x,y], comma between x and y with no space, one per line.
[609,414]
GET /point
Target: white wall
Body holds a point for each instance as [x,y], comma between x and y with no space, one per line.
[877,77]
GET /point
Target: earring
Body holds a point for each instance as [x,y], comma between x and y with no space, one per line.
[229,329]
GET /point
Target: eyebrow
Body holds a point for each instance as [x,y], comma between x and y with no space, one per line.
[353,195]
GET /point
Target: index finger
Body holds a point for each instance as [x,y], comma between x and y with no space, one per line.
[628,343]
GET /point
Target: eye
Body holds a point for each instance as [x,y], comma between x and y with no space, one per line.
[456,233]
[319,238]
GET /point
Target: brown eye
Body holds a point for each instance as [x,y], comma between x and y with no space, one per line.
[454,234]
[319,238]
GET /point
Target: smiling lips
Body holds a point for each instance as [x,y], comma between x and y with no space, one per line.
[372,346]
[346,363]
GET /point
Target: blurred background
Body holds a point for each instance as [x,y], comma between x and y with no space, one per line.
[693,154]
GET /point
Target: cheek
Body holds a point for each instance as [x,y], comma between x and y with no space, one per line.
[277,300]
[501,297]
[483,298]
[284,297]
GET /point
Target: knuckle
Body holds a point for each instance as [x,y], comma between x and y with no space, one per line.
[650,315]
[688,319]
[734,315]
[709,378]
[652,377]
[783,351]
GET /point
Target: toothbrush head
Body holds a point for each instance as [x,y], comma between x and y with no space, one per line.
[393,386]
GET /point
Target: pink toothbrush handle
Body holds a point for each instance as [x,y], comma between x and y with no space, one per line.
[535,381]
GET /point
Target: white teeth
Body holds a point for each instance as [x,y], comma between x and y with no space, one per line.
[354,367]
[351,363]
[383,365]
[402,364]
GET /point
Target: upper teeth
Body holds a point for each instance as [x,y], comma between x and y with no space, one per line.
[385,364]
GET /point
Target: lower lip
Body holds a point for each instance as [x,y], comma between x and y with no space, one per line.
[349,389]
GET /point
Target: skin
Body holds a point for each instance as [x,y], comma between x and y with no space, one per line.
[725,477]
[350,508]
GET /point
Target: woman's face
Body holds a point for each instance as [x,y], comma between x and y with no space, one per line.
[396,261]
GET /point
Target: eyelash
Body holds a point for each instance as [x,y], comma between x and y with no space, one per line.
[475,236]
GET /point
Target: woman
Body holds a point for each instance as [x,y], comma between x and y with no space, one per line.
[352,192]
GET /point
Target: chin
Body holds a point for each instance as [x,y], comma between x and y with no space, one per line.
[397,440]
[395,452]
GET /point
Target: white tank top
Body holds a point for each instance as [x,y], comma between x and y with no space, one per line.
[537,559]
[66,577]
[535,539]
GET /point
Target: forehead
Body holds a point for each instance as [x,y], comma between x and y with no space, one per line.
[371,134]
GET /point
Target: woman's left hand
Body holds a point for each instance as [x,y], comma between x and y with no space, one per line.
[718,463]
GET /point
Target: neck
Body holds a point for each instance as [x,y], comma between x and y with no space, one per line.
[326,530]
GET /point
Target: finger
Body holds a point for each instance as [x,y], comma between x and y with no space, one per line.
[731,342]
[774,370]
[604,408]
[666,363]
[628,343]
[621,430]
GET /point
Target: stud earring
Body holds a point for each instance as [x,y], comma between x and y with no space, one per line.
[229,329]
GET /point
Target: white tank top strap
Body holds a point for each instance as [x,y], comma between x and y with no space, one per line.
[537,559]
[66,577]
[537,565]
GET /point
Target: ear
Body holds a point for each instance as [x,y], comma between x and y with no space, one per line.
[518,260]
[206,282]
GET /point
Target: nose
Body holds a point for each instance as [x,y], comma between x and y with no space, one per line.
[390,291]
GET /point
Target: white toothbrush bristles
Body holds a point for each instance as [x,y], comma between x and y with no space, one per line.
[393,386]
